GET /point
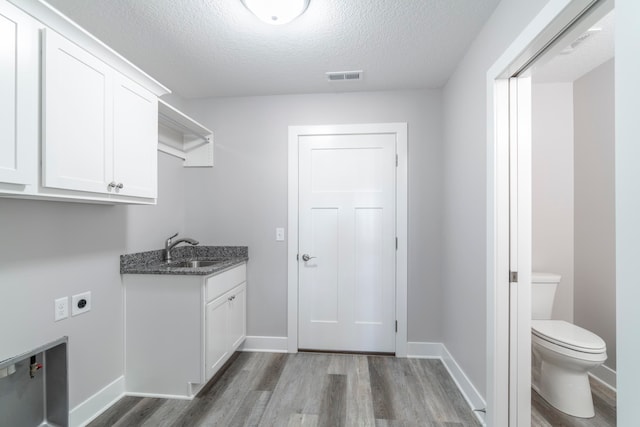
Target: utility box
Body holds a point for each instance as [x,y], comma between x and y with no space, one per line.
[34,388]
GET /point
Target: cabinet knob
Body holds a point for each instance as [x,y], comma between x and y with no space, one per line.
[111,185]
[120,186]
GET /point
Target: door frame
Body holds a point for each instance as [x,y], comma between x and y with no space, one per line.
[400,131]
[508,125]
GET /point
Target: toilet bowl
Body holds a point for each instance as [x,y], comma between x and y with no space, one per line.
[563,353]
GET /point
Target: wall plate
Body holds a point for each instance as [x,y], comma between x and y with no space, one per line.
[80,303]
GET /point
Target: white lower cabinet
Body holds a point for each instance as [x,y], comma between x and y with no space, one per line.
[179,330]
[226,330]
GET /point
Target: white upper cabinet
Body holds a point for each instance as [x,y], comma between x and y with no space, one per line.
[77,133]
[18,96]
[135,139]
[77,121]
[100,129]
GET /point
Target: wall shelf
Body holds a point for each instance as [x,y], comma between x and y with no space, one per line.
[181,136]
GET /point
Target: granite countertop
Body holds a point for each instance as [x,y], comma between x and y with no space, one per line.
[151,262]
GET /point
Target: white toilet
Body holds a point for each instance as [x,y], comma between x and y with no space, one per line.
[563,353]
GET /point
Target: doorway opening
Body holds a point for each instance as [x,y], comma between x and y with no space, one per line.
[509,171]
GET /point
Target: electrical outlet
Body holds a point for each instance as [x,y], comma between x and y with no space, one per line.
[61,308]
[80,303]
[280,234]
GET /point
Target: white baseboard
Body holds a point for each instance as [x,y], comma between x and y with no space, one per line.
[605,375]
[428,350]
[95,405]
[159,396]
[265,344]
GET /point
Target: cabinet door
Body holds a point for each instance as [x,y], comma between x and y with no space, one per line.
[19,72]
[217,338]
[238,317]
[135,139]
[77,117]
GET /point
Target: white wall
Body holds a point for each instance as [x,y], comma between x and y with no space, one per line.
[595,228]
[55,249]
[465,206]
[552,189]
[244,197]
[627,159]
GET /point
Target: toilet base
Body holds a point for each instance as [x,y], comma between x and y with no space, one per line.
[568,393]
[563,381]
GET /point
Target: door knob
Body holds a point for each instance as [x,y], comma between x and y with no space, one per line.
[306,257]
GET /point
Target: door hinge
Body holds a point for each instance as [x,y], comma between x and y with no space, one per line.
[513,276]
[396,326]
[396,160]
[396,243]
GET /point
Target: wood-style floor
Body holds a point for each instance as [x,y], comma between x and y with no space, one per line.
[309,389]
[604,402]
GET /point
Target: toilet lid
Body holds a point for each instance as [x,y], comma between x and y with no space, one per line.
[568,335]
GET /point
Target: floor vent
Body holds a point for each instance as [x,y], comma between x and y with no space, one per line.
[342,76]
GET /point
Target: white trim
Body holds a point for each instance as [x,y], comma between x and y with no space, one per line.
[436,350]
[265,344]
[606,376]
[161,396]
[95,405]
[400,130]
[468,390]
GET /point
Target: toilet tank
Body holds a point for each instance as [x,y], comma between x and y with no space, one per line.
[543,292]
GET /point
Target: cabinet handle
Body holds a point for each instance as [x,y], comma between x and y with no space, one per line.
[111,185]
[231,298]
[120,186]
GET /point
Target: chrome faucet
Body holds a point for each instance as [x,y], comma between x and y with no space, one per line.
[169,244]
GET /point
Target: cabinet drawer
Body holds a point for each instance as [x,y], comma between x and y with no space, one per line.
[223,282]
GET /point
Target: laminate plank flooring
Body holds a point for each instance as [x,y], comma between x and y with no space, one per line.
[604,402]
[309,390]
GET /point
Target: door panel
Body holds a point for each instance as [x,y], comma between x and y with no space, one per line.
[217,338]
[347,223]
[19,96]
[77,117]
[135,139]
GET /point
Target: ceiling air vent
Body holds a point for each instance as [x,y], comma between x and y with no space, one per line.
[343,76]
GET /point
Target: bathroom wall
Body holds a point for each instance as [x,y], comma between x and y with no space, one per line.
[244,197]
[552,189]
[56,249]
[595,254]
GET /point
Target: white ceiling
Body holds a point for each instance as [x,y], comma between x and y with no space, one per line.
[595,50]
[202,48]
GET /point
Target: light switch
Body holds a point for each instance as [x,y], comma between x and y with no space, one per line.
[280,234]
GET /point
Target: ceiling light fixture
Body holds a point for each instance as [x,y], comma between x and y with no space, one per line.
[276,12]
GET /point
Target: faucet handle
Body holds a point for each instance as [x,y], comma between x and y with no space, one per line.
[168,242]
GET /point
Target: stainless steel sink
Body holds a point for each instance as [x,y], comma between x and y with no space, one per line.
[194,263]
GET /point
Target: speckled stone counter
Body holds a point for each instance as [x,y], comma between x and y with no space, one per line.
[151,262]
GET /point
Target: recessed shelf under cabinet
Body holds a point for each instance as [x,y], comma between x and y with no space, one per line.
[181,136]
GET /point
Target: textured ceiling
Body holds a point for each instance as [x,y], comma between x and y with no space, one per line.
[595,50]
[202,48]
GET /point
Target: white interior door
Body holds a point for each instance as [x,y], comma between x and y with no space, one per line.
[520,251]
[347,228]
